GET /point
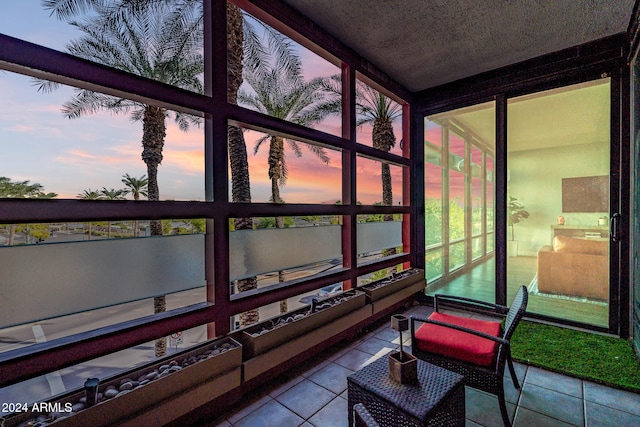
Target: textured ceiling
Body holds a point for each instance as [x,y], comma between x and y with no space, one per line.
[425,43]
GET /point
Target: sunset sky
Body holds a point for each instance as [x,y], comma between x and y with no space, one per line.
[69,156]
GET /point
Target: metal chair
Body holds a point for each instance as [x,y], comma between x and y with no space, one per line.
[477,349]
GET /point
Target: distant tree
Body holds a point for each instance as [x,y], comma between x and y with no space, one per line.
[112,194]
[21,190]
[90,195]
[136,187]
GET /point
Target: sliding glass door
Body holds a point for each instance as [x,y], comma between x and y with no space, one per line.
[558,204]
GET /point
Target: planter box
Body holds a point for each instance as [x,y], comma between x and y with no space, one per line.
[396,297]
[389,285]
[256,342]
[262,363]
[194,384]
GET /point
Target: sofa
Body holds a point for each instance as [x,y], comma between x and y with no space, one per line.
[574,267]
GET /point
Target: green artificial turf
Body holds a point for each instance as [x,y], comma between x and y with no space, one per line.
[602,359]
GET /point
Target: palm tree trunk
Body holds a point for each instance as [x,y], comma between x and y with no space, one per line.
[240,186]
[153,134]
[384,139]
[12,234]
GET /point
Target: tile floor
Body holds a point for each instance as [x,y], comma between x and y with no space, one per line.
[314,394]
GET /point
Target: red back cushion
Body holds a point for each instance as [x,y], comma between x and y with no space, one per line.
[458,344]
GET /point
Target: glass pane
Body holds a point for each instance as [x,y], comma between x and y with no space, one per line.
[95,283]
[456,206]
[289,170]
[477,249]
[287,81]
[379,119]
[477,207]
[433,214]
[378,236]
[97,152]
[434,267]
[558,200]
[378,183]
[459,201]
[173,52]
[456,256]
[433,133]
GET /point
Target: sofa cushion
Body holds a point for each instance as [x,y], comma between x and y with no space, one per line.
[580,246]
[458,344]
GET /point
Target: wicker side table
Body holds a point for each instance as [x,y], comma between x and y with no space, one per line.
[437,399]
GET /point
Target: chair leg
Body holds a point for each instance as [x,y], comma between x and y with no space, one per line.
[503,409]
[512,370]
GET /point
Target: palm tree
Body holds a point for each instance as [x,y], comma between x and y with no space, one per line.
[163,43]
[373,107]
[112,194]
[244,51]
[136,187]
[284,94]
[90,195]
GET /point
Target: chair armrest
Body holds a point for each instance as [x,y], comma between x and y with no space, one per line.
[362,417]
[499,340]
[497,308]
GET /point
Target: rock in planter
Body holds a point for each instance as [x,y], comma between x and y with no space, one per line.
[258,338]
[172,386]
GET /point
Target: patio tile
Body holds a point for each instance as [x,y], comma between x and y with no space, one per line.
[355,359]
[250,405]
[387,334]
[270,414]
[312,369]
[613,398]
[333,377]
[528,418]
[599,415]
[552,403]
[511,394]
[306,398]
[281,388]
[554,381]
[375,345]
[334,414]
[483,408]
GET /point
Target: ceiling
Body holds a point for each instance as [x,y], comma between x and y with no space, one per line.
[425,43]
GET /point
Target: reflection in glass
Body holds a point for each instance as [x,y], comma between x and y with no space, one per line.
[459,201]
[555,138]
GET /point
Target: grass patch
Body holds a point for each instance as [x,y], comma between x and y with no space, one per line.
[601,359]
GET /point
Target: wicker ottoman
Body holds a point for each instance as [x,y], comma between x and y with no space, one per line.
[436,400]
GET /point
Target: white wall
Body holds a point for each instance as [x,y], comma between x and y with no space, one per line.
[536,181]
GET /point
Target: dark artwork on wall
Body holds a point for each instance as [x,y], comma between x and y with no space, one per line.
[585,194]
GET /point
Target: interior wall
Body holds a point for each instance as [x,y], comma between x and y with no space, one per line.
[535,179]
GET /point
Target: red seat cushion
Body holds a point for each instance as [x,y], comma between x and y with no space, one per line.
[458,344]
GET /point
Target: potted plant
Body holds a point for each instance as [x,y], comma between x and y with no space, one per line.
[515,213]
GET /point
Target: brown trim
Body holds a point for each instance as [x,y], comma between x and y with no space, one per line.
[38,359]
